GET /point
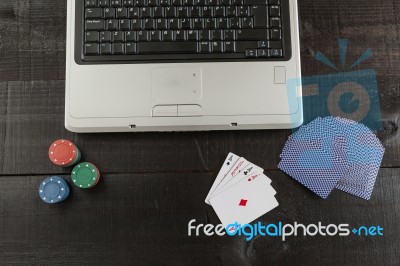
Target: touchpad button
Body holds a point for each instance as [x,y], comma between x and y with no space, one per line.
[177,84]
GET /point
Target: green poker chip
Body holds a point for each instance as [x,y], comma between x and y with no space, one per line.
[85,175]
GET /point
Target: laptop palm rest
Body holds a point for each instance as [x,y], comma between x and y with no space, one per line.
[177,85]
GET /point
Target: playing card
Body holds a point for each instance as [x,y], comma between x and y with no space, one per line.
[250,170]
[365,155]
[234,171]
[318,166]
[230,160]
[245,202]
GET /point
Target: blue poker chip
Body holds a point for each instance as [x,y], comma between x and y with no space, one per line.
[53,189]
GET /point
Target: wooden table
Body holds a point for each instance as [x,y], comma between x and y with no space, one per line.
[154,183]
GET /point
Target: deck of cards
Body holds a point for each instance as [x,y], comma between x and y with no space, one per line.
[241,193]
[333,153]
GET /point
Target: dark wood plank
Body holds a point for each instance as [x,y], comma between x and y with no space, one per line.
[33,116]
[142,219]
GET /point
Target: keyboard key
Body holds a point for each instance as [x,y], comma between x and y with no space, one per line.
[204,47]
[115,3]
[130,48]
[127,3]
[262,44]
[122,12]
[180,35]
[105,36]
[208,11]
[124,24]
[276,34]
[217,47]
[242,46]
[186,23]
[209,23]
[275,45]
[275,23]
[252,34]
[213,2]
[170,12]
[237,2]
[158,12]
[167,47]
[205,35]
[155,36]
[198,23]
[143,36]
[176,2]
[91,49]
[136,24]
[133,12]
[153,3]
[217,35]
[149,24]
[118,48]
[195,12]
[104,3]
[251,53]
[222,23]
[94,25]
[193,35]
[91,36]
[235,23]
[230,35]
[230,11]
[229,47]
[225,2]
[109,13]
[93,13]
[91,3]
[260,15]
[276,52]
[140,3]
[146,12]
[219,11]
[130,36]
[161,23]
[275,11]
[105,48]
[118,36]
[183,12]
[112,24]
[165,2]
[243,11]
[168,36]
[174,23]
[255,2]
[246,23]
[263,53]
[274,2]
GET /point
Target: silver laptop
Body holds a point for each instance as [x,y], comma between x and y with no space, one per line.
[182,65]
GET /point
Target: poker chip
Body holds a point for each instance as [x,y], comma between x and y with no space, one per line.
[64,153]
[53,190]
[85,175]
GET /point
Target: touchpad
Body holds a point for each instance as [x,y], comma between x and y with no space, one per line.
[178,84]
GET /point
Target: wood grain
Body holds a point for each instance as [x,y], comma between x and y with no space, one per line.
[154,183]
[142,218]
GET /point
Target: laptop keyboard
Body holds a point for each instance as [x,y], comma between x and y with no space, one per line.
[169,30]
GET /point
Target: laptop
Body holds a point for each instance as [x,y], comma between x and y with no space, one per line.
[182,65]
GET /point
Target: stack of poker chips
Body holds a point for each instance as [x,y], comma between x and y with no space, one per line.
[85,175]
[54,189]
[64,153]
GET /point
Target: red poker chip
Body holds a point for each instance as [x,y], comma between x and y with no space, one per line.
[63,152]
